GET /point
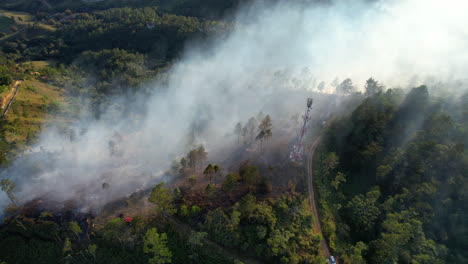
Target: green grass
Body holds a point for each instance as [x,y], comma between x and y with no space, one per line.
[34,106]
[21,21]
[26,17]
[37,65]
[45,27]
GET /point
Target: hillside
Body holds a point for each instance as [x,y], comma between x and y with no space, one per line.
[238,131]
[34,107]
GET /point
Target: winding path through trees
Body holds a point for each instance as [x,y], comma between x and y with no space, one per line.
[313,204]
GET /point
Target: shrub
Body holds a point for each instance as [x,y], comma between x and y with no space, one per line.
[195,210]
[53,106]
[31,88]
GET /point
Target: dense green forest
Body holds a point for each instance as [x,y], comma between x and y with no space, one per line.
[147,37]
[393,179]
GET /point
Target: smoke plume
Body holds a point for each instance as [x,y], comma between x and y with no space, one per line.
[275,56]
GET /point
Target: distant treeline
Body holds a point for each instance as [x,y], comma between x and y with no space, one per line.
[210,9]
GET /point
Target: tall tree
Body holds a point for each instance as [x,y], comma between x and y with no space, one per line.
[372,87]
[265,128]
[162,198]
[196,157]
[238,131]
[251,126]
[346,87]
[75,228]
[202,155]
[216,170]
[249,174]
[156,245]
[209,170]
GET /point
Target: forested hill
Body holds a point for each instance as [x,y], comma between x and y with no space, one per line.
[88,52]
[99,53]
[393,180]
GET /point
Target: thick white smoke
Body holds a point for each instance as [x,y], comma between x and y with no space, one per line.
[274,52]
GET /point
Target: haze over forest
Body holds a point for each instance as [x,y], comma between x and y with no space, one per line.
[158,131]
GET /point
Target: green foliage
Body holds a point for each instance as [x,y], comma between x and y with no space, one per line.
[195,210]
[5,76]
[116,69]
[183,211]
[405,162]
[281,232]
[339,178]
[31,88]
[45,214]
[278,241]
[92,248]
[197,239]
[53,106]
[209,189]
[230,182]
[113,230]
[162,198]
[363,212]
[355,256]
[249,175]
[75,228]
[67,248]
[155,244]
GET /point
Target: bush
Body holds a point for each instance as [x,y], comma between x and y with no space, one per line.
[183,211]
[53,106]
[195,210]
[230,182]
[5,79]
[31,88]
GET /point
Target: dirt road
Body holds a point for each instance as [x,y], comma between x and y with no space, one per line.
[313,204]
[8,100]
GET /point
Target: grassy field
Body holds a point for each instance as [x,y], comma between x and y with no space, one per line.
[37,65]
[36,105]
[21,21]
[17,19]
[20,17]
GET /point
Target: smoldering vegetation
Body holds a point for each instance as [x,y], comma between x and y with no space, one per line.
[276,56]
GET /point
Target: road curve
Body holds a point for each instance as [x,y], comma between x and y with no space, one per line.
[313,204]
